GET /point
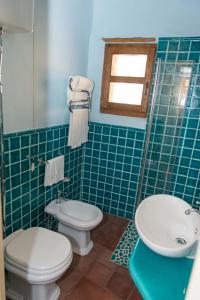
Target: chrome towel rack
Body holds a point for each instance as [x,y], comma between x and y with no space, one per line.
[79,104]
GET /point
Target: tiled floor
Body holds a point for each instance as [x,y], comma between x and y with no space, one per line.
[95,277]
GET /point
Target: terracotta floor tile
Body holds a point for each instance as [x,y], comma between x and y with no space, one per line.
[135,295]
[68,281]
[82,263]
[123,271]
[105,259]
[99,274]
[120,285]
[87,290]
[110,231]
[95,276]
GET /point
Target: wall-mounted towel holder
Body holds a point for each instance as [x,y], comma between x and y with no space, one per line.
[82,103]
[40,160]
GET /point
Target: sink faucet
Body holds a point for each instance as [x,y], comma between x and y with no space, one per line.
[191,210]
[59,197]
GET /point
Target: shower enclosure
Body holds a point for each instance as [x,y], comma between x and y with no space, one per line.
[169,164]
[2,194]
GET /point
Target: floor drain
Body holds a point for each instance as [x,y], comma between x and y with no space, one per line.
[181,241]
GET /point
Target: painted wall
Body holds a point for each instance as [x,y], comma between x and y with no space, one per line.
[36,66]
[128,18]
[61,40]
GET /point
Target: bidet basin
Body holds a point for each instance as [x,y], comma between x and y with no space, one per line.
[164,227]
[75,220]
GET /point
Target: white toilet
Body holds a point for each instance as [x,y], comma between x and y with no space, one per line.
[75,220]
[34,259]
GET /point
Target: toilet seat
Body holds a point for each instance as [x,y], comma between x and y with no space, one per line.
[38,254]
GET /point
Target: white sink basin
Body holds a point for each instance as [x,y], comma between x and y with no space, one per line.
[165,228]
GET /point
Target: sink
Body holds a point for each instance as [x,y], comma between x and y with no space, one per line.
[164,227]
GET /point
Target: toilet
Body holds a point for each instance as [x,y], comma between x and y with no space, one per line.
[75,220]
[35,259]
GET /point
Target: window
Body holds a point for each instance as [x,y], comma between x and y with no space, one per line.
[127,75]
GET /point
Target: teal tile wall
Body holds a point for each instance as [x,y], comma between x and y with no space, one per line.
[173,165]
[112,160]
[106,170]
[26,196]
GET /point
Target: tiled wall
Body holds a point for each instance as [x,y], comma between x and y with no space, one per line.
[112,160]
[106,170]
[26,195]
[173,164]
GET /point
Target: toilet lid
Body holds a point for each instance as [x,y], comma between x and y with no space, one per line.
[39,248]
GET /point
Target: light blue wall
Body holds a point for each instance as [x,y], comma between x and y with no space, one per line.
[62,30]
[131,18]
[36,65]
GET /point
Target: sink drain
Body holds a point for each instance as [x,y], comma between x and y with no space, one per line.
[181,241]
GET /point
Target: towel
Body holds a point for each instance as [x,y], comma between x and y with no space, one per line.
[78,126]
[82,83]
[59,168]
[49,178]
[78,129]
[76,96]
[54,171]
[79,83]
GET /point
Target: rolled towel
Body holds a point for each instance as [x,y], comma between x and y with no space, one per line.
[82,83]
[76,96]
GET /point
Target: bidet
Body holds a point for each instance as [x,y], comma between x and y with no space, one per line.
[75,220]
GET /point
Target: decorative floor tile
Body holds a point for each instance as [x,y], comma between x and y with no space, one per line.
[125,246]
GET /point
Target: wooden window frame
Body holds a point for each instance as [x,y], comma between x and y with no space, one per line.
[127,109]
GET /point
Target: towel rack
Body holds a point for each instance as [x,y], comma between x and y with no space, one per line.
[77,104]
[40,160]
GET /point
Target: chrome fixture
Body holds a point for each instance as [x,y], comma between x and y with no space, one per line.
[191,210]
[40,160]
[81,103]
[59,197]
[2,160]
[150,121]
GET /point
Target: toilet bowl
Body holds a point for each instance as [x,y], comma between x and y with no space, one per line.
[34,259]
[75,220]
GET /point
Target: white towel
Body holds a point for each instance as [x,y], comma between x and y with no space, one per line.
[82,83]
[59,168]
[76,96]
[49,178]
[54,171]
[78,128]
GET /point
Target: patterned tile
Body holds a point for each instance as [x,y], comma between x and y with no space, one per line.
[126,245]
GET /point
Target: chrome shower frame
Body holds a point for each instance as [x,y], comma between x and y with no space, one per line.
[2,160]
[149,126]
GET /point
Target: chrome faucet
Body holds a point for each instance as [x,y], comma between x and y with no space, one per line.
[59,197]
[191,210]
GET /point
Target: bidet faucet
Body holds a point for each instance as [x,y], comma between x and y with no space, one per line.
[191,210]
[59,197]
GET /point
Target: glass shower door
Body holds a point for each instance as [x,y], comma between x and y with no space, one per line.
[165,136]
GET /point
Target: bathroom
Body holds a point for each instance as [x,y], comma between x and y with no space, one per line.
[127,158]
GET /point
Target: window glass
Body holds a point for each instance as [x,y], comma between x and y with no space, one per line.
[130,65]
[126,93]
